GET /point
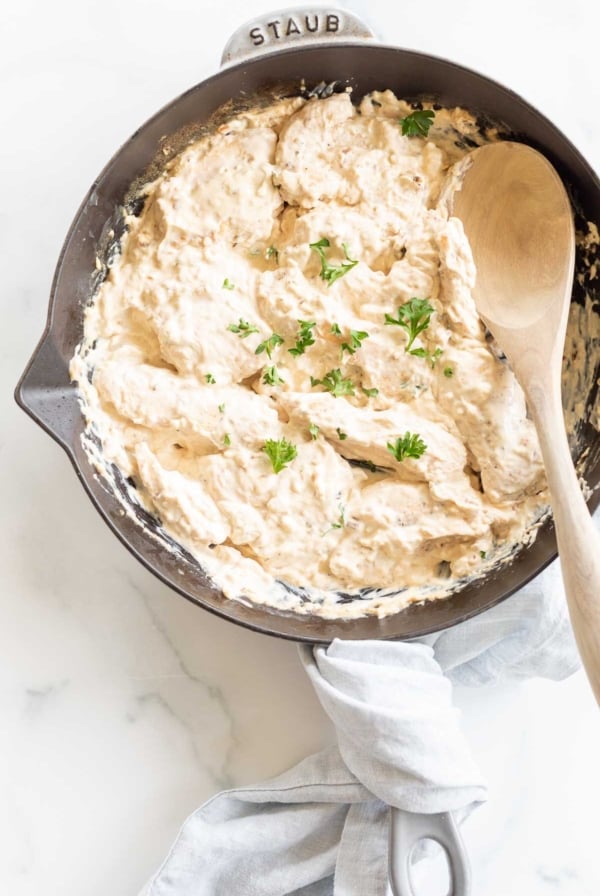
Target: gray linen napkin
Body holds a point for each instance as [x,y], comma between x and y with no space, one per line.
[320,829]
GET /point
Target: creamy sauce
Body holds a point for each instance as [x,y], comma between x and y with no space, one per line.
[180,403]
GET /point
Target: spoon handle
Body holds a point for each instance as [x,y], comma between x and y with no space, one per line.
[576,535]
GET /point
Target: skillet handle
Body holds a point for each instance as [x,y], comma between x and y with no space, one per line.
[407,829]
[294,27]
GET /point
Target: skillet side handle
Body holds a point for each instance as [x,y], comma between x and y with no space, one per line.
[293,27]
[46,393]
[407,829]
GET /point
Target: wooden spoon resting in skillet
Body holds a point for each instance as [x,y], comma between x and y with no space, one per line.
[518,220]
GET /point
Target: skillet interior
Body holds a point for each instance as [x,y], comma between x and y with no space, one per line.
[46,393]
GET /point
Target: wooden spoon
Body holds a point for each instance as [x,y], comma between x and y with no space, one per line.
[518,220]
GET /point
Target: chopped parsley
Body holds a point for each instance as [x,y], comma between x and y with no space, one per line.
[272,252]
[332,272]
[370,393]
[340,522]
[222,408]
[227,284]
[280,453]
[210,379]
[483,554]
[269,345]
[227,440]
[448,371]
[243,329]
[414,317]
[410,445]
[305,337]
[313,430]
[356,338]
[417,124]
[271,377]
[432,357]
[335,329]
[342,436]
[335,383]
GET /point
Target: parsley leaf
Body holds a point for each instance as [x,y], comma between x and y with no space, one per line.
[210,379]
[332,272]
[414,317]
[341,519]
[370,393]
[335,383]
[410,445]
[222,408]
[280,453]
[227,440]
[448,371]
[243,328]
[342,436]
[483,554]
[305,337]
[356,338]
[417,124]
[340,522]
[272,252]
[313,430]
[423,353]
[335,329]
[227,284]
[269,345]
[271,377]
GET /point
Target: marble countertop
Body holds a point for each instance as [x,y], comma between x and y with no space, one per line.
[123,707]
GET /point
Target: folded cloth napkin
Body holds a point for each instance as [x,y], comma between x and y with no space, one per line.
[320,829]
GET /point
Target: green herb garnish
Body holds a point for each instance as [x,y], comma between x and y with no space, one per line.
[210,379]
[448,371]
[227,440]
[335,329]
[483,554]
[332,272]
[222,408]
[313,430]
[271,377]
[305,337]
[243,329]
[335,383]
[342,436]
[410,445]
[280,453]
[432,357]
[227,284]
[414,317]
[341,520]
[417,124]
[356,338]
[370,393]
[272,252]
[269,345]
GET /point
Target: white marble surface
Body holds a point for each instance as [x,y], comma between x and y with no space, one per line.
[122,707]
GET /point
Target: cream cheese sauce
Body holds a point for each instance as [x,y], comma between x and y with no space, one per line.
[180,404]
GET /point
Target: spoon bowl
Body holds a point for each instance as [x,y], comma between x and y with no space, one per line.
[518,219]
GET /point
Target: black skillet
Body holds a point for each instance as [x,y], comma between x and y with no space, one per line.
[281,54]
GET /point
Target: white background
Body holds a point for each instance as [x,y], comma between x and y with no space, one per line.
[122,707]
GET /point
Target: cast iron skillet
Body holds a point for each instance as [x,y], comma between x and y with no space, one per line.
[329,52]
[333,53]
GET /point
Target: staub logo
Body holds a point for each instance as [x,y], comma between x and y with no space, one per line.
[301,24]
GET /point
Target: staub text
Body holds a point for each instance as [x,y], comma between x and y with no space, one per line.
[311,23]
